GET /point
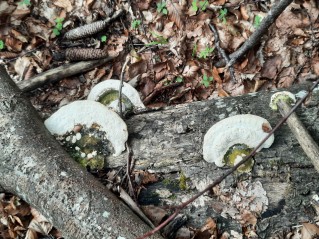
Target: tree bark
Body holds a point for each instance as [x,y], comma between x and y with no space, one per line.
[34,166]
[170,141]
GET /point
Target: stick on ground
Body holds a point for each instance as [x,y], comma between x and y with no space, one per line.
[61,72]
[254,39]
[301,133]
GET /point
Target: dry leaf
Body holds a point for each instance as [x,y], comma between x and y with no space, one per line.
[155,214]
[175,13]
[309,231]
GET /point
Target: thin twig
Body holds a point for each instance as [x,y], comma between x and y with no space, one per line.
[273,14]
[222,51]
[121,85]
[233,169]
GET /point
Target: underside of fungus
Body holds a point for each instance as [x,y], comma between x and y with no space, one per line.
[91,115]
[230,140]
[107,92]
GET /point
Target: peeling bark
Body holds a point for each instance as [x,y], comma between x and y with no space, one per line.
[35,167]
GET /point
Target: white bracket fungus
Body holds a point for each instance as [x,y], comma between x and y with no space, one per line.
[245,131]
[89,113]
[107,92]
[286,96]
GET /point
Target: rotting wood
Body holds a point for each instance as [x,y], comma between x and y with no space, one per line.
[35,167]
[170,141]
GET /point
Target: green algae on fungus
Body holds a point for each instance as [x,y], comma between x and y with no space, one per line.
[243,129]
[111,99]
[235,154]
[92,115]
[107,92]
[286,96]
[87,147]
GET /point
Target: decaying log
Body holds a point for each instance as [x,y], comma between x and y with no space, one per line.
[35,167]
[170,141]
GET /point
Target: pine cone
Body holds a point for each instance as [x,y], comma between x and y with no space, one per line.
[83,54]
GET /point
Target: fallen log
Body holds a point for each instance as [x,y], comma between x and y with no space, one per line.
[169,142]
[35,167]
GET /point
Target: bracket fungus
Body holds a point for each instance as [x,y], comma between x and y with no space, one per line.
[286,96]
[88,129]
[107,93]
[231,139]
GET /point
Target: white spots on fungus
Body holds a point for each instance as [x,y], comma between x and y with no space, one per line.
[78,136]
[63,174]
[88,113]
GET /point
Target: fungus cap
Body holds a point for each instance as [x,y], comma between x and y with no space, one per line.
[239,129]
[128,91]
[287,96]
[88,113]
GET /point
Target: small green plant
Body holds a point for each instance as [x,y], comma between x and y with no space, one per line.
[25,2]
[135,24]
[161,7]
[1,45]
[222,15]
[159,40]
[58,26]
[194,50]
[182,181]
[207,80]
[203,5]
[103,38]
[194,5]
[206,52]
[179,79]
[257,21]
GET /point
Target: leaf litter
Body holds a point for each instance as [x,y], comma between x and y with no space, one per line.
[172,58]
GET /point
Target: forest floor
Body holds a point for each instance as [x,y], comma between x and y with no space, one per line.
[165,48]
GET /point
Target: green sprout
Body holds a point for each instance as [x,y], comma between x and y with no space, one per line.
[25,2]
[222,15]
[159,40]
[206,52]
[135,24]
[1,45]
[179,79]
[257,21]
[161,7]
[207,80]
[203,5]
[58,26]
[194,50]
[194,5]
[103,38]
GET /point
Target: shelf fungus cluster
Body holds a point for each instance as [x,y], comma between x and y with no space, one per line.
[107,93]
[89,131]
[228,141]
